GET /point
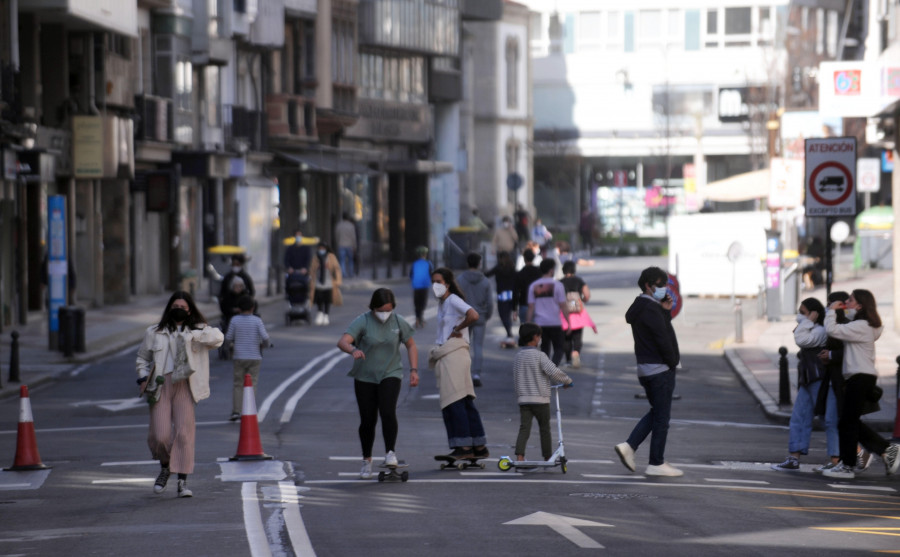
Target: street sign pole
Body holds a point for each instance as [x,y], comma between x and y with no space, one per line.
[829,265]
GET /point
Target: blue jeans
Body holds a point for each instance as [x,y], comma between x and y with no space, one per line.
[802,420]
[523,314]
[345,255]
[476,345]
[659,389]
[463,423]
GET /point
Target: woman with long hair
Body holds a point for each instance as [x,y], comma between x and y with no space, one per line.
[173,371]
[504,272]
[859,336]
[452,368]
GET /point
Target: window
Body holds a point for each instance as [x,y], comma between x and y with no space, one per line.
[712,29]
[738,26]
[831,36]
[398,78]
[766,29]
[512,156]
[820,31]
[613,31]
[674,34]
[590,35]
[211,95]
[512,72]
[649,28]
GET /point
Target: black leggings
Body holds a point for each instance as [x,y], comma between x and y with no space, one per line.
[850,429]
[374,399]
[420,300]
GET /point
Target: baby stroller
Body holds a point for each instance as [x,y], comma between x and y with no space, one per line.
[296,286]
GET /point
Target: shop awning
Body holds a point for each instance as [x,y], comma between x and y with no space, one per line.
[325,163]
[742,187]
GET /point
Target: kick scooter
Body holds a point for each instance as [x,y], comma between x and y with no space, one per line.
[558,458]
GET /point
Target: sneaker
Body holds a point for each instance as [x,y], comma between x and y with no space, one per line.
[790,464]
[325,320]
[664,469]
[161,480]
[827,466]
[891,458]
[235,416]
[481,452]
[863,460]
[476,380]
[366,472]
[840,471]
[460,453]
[626,455]
[183,490]
[390,459]
[576,360]
[320,318]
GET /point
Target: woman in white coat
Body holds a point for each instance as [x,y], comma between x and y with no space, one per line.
[173,371]
[860,375]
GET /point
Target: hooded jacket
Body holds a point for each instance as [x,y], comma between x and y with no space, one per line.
[477,289]
[654,337]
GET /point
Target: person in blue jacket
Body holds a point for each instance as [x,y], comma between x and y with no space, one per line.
[420,277]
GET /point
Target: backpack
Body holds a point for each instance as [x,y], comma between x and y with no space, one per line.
[573,300]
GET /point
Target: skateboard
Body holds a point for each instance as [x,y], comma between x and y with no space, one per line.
[448,461]
[392,474]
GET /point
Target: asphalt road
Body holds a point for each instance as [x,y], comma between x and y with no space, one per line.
[97,499]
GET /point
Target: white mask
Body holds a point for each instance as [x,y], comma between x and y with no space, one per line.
[659,292]
[298,240]
[801,318]
[236,269]
[383,315]
[850,313]
[439,289]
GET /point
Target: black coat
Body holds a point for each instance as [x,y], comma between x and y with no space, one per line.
[654,337]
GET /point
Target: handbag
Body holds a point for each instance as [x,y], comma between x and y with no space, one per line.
[182,368]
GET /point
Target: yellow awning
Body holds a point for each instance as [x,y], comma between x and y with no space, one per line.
[742,187]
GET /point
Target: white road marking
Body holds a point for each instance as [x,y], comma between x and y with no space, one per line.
[253,524]
[130,463]
[344,458]
[114,404]
[562,525]
[124,481]
[294,522]
[263,410]
[102,428]
[759,482]
[292,402]
[864,487]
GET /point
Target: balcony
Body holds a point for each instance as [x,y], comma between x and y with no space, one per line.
[481,10]
[291,117]
[154,118]
[244,126]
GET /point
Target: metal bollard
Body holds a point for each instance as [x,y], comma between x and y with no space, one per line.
[738,322]
[784,385]
[14,358]
[761,303]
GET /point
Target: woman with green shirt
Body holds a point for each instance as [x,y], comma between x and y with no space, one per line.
[373,339]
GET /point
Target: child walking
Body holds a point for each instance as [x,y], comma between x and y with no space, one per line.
[249,335]
[534,373]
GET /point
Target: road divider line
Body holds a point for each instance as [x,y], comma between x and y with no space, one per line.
[123,481]
[292,402]
[293,521]
[130,463]
[253,524]
[263,410]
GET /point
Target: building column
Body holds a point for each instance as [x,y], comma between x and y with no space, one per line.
[324,91]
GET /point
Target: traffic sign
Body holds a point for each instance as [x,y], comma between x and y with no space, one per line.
[514,181]
[869,173]
[830,177]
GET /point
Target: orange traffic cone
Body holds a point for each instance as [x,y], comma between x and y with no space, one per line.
[249,445]
[27,457]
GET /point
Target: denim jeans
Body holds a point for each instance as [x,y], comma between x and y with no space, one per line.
[523,314]
[802,420]
[659,389]
[476,345]
[345,255]
[463,423]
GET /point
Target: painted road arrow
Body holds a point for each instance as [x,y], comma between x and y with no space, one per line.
[563,525]
[115,404]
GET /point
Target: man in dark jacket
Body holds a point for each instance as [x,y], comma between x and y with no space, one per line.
[656,350]
[477,289]
[524,277]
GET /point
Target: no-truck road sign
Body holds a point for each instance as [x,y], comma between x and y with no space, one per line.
[831,177]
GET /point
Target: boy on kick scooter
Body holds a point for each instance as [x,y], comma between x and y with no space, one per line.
[534,374]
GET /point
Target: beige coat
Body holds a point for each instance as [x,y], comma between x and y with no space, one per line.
[452,368]
[154,350]
[331,266]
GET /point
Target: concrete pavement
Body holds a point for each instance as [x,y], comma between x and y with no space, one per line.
[704,325]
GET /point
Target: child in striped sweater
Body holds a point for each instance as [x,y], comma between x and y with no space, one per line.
[533,374]
[249,335]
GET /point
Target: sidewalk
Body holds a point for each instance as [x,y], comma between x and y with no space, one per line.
[756,359]
[113,328]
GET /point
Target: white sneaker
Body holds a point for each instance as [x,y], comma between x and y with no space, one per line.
[626,455]
[840,471]
[319,318]
[891,458]
[390,459]
[366,472]
[664,469]
[325,320]
[576,360]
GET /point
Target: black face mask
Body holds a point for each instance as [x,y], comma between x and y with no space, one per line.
[179,314]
